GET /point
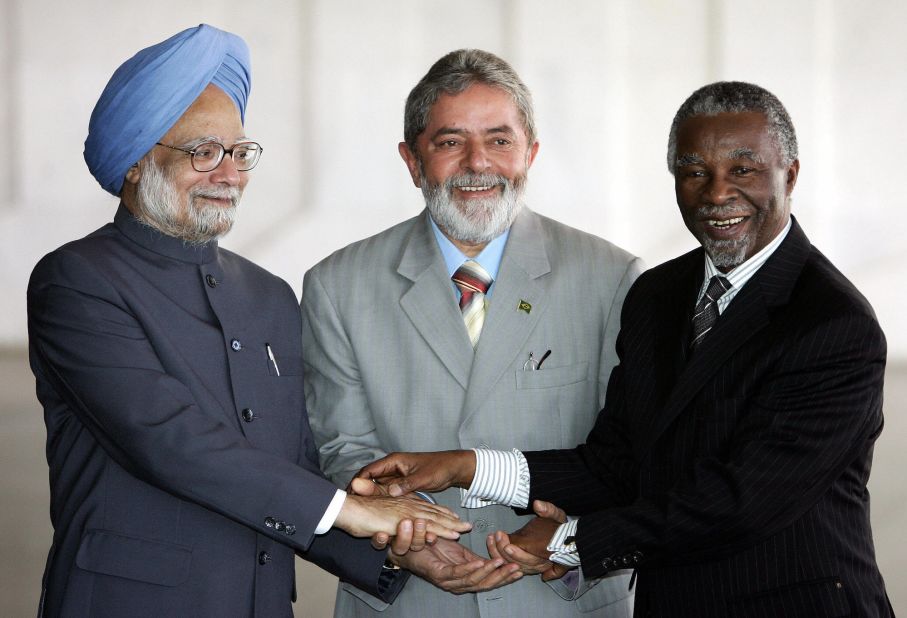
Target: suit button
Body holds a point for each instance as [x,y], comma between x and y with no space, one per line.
[270,521]
[291,529]
[608,564]
[481,524]
[280,526]
[236,344]
[211,281]
[247,415]
[637,557]
[264,558]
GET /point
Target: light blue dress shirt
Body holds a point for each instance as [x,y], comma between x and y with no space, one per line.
[489,258]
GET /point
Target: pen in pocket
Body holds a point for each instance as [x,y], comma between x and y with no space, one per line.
[532,364]
[272,359]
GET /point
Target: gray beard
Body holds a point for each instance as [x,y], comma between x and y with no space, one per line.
[159,208]
[724,253]
[479,220]
[727,253]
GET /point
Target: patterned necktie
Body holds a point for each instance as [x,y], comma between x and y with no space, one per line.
[706,312]
[473,282]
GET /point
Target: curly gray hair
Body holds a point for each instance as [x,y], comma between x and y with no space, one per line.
[736,97]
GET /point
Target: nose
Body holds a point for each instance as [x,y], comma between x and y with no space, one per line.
[720,189]
[476,159]
[226,173]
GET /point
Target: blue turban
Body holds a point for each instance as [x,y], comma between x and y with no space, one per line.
[153,89]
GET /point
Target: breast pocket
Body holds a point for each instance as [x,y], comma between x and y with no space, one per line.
[282,365]
[558,399]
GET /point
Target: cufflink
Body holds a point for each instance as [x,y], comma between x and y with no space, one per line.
[390,566]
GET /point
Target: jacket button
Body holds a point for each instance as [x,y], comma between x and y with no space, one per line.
[608,564]
[211,281]
[236,344]
[280,526]
[247,415]
[481,524]
[291,529]
[270,521]
[264,558]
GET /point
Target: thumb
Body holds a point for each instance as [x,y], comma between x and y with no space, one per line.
[549,511]
[363,487]
[399,488]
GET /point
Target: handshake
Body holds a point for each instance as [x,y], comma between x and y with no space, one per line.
[422,536]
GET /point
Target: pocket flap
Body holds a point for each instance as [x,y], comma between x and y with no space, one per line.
[153,562]
[549,377]
[823,597]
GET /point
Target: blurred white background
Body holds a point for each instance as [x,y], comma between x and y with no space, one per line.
[330,78]
[329,81]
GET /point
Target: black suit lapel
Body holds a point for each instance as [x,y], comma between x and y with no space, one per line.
[675,316]
[749,313]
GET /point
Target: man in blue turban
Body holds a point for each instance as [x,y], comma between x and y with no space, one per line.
[183,473]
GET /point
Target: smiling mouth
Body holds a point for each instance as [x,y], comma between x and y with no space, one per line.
[474,189]
[723,224]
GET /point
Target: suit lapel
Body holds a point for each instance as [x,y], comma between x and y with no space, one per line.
[673,332]
[430,303]
[507,327]
[748,313]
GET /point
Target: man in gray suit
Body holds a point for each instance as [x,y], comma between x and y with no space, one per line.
[476,323]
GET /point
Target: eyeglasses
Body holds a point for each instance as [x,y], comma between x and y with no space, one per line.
[207,156]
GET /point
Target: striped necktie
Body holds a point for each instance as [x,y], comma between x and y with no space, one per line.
[473,282]
[706,312]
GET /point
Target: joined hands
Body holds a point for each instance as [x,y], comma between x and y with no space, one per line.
[378,515]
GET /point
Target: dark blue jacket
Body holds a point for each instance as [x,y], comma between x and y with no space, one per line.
[183,474]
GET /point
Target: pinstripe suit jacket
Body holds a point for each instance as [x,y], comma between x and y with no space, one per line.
[735,480]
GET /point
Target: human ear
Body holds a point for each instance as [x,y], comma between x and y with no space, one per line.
[412,163]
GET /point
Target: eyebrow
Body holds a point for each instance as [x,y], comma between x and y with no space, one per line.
[210,138]
[506,129]
[689,159]
[745,153]
[737,153]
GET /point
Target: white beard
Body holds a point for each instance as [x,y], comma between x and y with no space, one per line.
[159,207]
[476,220]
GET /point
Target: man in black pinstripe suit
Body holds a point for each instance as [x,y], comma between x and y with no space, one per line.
[730,474]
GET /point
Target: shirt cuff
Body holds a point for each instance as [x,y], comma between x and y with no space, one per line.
[330,515]
[563,545]
[502,477]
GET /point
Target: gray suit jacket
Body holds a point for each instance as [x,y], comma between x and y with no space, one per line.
[389,367]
